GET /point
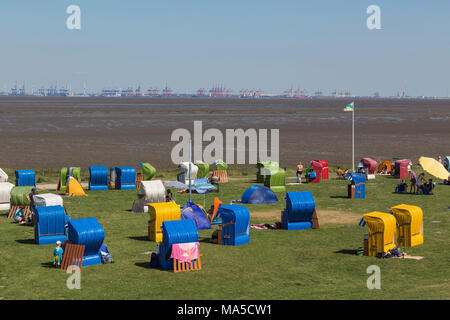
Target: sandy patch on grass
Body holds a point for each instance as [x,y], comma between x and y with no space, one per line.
[325,216]
[50,186]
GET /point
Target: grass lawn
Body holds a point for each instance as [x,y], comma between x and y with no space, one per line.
[277,264]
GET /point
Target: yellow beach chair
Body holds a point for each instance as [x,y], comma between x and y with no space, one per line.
[409,225]
[382,232]
[159,212]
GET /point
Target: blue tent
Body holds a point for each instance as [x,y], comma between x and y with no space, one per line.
[258,194]
[195,212]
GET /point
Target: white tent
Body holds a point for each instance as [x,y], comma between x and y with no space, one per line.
[3,176]
[47,200]
[183,176]
[5,195]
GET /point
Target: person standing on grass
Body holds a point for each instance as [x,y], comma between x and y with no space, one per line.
[299,172]
[413,182]
[440,159]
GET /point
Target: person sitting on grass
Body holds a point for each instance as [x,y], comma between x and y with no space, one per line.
[299,172]
[105,254]
[402,187]
[429,186]
[169,195]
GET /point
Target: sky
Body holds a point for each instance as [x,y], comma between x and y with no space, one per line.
[253,44]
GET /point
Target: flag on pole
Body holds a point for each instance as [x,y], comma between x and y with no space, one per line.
[350,107]
[362,223]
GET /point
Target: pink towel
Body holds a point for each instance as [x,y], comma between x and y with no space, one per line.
[185,252]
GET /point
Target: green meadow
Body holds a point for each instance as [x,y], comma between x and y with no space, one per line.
[276,264]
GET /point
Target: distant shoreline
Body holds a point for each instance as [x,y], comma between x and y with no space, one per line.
[54,132]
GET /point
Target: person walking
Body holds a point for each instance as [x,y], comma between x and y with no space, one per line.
[299,172]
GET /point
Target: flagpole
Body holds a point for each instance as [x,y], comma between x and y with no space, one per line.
[353,139]
[190,156]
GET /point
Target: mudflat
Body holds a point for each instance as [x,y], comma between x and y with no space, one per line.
[47,132]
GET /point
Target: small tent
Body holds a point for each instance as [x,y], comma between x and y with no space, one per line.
[74,187]
[258,195]
[3,176]
[197,213]
[385,165]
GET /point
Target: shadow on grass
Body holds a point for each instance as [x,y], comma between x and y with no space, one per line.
[26,241]
[146,265]
[347,251]
[339,197]
[48,265]
[140,238]
[206,240]
[412,194]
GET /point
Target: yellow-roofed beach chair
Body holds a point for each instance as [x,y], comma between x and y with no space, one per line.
[159,212]
[382,232]
[409,225]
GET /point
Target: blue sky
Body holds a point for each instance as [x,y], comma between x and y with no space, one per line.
[271,45]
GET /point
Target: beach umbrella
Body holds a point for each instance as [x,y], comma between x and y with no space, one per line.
[434,168]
